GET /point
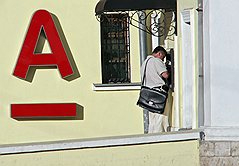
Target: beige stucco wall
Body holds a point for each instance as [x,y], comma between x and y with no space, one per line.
[165,154]
[106,113]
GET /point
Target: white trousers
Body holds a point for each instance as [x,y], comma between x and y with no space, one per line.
[158,123]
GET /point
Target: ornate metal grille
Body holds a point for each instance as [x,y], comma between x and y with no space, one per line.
[155,22]
[115,48]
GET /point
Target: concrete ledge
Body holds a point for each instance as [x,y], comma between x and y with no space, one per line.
[100,142]
[221,133]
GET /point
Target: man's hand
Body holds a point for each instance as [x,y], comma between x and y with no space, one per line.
[165,75]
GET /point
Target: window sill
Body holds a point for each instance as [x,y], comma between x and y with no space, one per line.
[116,87]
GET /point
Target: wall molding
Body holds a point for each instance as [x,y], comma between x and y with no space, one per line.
[100,142]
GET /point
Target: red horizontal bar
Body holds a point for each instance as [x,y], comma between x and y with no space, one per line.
[43,110]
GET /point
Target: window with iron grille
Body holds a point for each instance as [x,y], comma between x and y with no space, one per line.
[115,48]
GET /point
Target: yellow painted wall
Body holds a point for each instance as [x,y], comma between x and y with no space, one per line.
[163,154]
[105,113]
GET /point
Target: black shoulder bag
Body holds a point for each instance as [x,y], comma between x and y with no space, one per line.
[152,99]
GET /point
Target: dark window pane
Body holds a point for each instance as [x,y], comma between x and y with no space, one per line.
[115,48]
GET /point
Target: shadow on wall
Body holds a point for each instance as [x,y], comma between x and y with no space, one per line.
[39,48]
[43,113]
[67,49]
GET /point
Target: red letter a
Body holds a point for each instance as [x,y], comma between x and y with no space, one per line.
[42,21]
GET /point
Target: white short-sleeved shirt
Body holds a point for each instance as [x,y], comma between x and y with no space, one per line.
[155,67]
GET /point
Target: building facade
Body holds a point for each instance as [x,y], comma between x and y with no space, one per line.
[70,80]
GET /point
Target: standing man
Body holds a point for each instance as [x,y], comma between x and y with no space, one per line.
[156,75]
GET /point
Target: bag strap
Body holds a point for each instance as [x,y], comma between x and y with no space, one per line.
[145,73]
[145,70]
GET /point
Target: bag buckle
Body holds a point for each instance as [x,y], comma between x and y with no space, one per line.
[151,103]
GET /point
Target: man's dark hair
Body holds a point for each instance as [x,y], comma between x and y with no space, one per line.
[158,49]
